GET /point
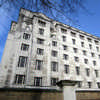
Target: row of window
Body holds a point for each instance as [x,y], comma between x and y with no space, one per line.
[40,51]
[54,65]
[20,79]
[73,34]
[54,43]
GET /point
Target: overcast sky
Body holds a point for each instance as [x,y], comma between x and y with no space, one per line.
[89,22]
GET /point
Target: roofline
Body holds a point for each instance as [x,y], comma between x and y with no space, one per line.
[65,25]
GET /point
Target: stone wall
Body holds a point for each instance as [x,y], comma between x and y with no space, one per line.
[25,94]
[37,94]
[88,95]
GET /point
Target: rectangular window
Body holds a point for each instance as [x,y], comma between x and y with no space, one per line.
[74,41]
[37,81]
[65,56]
[90,46]
[75,50]
[86,61]
[82,37]
[98,84]
[19,79]
[92,54]
[82,44]
[79,84]
[84,52]
[64,38]
[63,30]
[97,49]
[40,41]
[66,69]
[76,59]
[64,47]
[99,56]
[39,64]
[96,42]
[22,61]
[87,72]
[94,63]
[89,39]
[54,43]
[41,23]
[54,53]
[40,51]
[73,34]
[26,36]
[89,84]
[54,66]
[96,73]
[54,81]
[77,70]
[41,31]
[24,47]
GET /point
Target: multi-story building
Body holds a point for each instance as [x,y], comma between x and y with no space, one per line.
[40,51]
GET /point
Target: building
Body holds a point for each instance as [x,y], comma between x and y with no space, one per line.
[40,51]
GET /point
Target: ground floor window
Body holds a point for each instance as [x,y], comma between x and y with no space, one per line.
[19,79]
[37,81]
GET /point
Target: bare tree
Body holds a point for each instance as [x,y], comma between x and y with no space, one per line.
[54,8]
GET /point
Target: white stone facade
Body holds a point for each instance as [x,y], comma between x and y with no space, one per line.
[74,55]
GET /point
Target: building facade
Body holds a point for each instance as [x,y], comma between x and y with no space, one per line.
[40,51]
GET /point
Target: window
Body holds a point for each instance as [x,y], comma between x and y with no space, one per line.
[75,50]
[89,39]
[98,84]
[97,49]
[92,54]
[73,34]
[26,36]
[54,66]
[89,84]
[39,64]
[74,41]
[66,69]
[82,37]
[76,59]
[79,84]
[64,47]
[77,70]
[64,38]
[96,42]
[96,73]
[41,31]
[41,23]
[54,81]
[94,63]
[63,30]
[87,72]
[24,47]
[99,56]
[54,43]
[22,61]
[37,81]
[86,61]
[40,51]
[84,52]
[65,56]
[40,41]
[90,46]
[82,44]
[51,29]
[54,53]
[19,79]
